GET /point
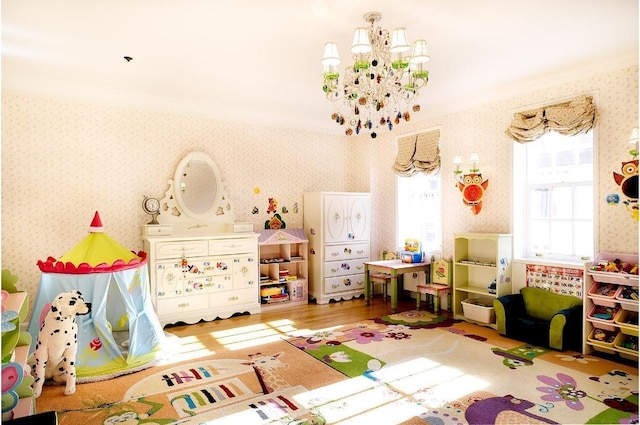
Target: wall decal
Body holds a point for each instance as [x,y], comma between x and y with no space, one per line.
[273,205]
[472,187]
[628,182]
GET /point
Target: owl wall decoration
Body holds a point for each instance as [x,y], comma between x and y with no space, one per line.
[472,187]
[628,182]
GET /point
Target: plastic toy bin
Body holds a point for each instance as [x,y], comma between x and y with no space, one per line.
[478,309]
[603,340]
[613,277]
[627,346]
[604,293]
[602,316]
[627,321]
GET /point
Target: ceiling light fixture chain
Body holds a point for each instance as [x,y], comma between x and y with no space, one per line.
[382,84]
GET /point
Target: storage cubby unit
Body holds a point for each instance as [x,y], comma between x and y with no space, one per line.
[283,268]
[611,306]
[481,273]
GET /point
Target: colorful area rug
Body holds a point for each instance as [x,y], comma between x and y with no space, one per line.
[424,368]
[406,368]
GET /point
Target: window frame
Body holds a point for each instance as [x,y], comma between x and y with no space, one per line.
[520,197]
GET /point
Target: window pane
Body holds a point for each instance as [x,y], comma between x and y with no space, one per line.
[418,210]
[583,236]
[561,237]
[539,236]
[583,207]
[561,202]
[539,203]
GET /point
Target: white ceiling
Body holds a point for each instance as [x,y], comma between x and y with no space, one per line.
[259,61]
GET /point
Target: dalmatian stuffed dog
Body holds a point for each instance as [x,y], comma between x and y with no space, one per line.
[57,345]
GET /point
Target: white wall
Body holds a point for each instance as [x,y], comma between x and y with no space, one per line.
[62,161]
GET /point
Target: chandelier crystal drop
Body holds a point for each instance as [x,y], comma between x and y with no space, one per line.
[380,88]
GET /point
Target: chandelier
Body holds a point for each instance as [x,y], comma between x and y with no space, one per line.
[380,87]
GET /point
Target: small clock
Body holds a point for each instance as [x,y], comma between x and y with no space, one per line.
[151,206]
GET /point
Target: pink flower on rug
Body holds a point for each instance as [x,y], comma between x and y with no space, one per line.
[562,389]
[365,336]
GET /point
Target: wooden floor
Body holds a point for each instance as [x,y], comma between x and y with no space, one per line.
[302,317]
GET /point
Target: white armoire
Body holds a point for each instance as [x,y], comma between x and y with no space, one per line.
[337,225]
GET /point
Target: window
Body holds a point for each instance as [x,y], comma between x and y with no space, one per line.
[419,214]
[553,180]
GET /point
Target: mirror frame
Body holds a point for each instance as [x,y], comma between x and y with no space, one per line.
[201,157]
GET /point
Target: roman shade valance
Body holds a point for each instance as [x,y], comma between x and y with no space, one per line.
[418,152]
[569,118]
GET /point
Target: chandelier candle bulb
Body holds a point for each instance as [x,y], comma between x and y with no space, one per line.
[383,83]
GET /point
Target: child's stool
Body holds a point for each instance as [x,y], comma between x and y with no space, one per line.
[432,292]
[383,278]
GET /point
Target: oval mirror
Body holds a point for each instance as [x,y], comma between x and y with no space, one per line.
[197,186]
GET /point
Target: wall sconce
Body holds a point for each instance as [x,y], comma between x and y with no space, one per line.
[633,140]
[457,160]
[474,159]
[471,185]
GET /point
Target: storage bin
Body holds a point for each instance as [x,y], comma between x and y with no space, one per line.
[628,297]
[604,294]
[603,340]
[627,321]
[618,278]
[478,309]
[603,314]
[627,346]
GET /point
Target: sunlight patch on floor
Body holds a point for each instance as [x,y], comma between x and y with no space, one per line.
[391,395]
[253,335]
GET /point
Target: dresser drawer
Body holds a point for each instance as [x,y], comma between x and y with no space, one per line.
[181,249]
[343,268]
[226,247]
[235,297]
[185,303]
[344,283]
[206,284]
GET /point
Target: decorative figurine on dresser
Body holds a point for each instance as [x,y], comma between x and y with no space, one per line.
[202,265]
[337,225]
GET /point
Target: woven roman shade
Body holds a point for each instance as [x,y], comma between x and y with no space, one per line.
[568,118]
[418,152]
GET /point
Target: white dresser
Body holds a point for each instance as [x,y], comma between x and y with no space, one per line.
[203,277]
[337,225]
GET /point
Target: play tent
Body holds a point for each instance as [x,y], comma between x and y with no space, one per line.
[122,332]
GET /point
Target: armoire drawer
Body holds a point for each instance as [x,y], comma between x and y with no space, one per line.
[344,283]
[343,268]
[346,251]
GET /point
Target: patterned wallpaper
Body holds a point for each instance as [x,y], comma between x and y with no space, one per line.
[63,160]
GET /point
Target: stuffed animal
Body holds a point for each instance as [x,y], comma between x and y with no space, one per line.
[57,344]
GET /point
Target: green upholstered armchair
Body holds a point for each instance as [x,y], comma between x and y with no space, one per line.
[541,317]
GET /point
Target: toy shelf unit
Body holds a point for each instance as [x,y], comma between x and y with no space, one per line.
[283,268]
[481,273]
[611,305]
